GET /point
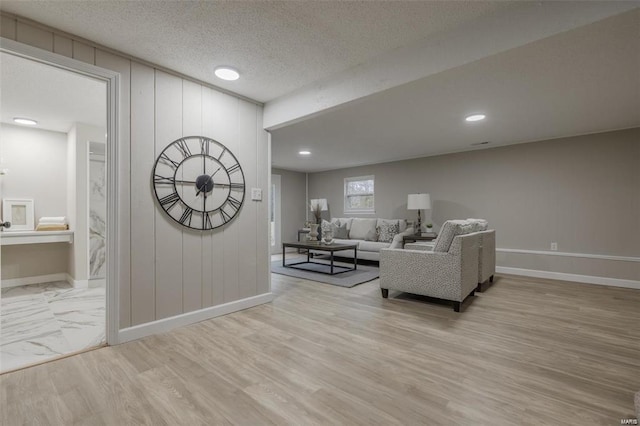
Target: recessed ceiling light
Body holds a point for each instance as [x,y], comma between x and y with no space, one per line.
[475,117]
[304,152]
[27,121]
[227,73]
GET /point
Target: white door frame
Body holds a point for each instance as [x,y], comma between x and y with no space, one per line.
[276,181]
[112,80]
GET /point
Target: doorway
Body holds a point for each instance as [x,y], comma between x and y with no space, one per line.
[58,294]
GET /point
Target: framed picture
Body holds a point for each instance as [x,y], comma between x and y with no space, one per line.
[20,213]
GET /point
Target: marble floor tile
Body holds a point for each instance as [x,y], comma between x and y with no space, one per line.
[43,321]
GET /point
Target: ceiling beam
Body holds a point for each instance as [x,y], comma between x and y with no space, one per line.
[523,23]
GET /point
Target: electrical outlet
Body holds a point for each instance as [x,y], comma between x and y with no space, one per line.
[554,246]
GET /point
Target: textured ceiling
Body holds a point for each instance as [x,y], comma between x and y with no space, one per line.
[277,46]
[54,97]
[574,79]
[582,81]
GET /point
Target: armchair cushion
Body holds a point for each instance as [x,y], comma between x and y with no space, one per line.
[479,224]
[449,230]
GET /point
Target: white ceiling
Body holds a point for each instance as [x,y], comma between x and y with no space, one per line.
[582,81]
[278,46]
[367,82]
[55,98]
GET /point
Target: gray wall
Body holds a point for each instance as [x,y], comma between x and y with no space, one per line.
[581,192]
[293,203]
[165,270]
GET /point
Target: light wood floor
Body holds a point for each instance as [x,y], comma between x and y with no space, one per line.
[524,352]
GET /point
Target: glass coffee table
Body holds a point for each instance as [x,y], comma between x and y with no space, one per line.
[318,246]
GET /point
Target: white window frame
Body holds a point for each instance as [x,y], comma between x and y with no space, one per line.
[347,210]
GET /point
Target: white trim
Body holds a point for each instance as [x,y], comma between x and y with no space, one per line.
[40,279]
[35,237]
[112,80]
[166,324]
[566,254]
[36,279]
[77,283]
[587,279]
[268,245]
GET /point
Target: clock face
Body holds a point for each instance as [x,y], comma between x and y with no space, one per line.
[199,183]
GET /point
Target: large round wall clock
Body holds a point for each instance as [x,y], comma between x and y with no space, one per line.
[199,183]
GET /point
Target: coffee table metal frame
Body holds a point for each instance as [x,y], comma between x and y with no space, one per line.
[318,246]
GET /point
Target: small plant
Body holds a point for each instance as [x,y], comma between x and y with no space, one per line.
[429,225]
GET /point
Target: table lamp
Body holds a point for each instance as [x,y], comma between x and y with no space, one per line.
[418,202]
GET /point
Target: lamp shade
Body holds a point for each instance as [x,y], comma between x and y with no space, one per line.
[418,202]
[322,202]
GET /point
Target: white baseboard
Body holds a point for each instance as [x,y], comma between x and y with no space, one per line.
[37,279]
[166,324]
[77,283]
[587,279]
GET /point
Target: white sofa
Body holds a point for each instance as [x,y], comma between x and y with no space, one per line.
[365,232]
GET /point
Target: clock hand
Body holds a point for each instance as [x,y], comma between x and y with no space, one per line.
[207,182]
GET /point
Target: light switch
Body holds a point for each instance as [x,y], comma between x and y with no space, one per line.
[256,194]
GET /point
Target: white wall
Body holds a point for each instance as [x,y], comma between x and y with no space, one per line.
[293,203]
[165,270]
[37,163]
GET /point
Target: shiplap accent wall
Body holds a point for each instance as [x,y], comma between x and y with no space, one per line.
[165,270]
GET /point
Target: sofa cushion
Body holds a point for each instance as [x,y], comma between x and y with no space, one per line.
[345,241]
[363,228]
[449,230]
[386,231]
[374,246]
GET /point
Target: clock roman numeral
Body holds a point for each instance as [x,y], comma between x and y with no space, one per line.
[182,146]
[235,204]
[204,146]
[206,221]
[164,180]
[186,216]
[233,168]
[170,200]
[226,217]
[222,153]
[237,186]
[169,161]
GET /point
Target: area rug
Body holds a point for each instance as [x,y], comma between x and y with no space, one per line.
[347,279]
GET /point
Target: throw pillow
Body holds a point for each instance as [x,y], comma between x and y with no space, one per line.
[386,232]
[372,235]
[340,232]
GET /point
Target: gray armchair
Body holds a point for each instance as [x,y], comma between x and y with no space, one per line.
[450,274]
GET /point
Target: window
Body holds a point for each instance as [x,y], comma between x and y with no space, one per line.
[359,195]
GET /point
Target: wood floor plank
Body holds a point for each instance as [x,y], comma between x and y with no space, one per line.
[525,351]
